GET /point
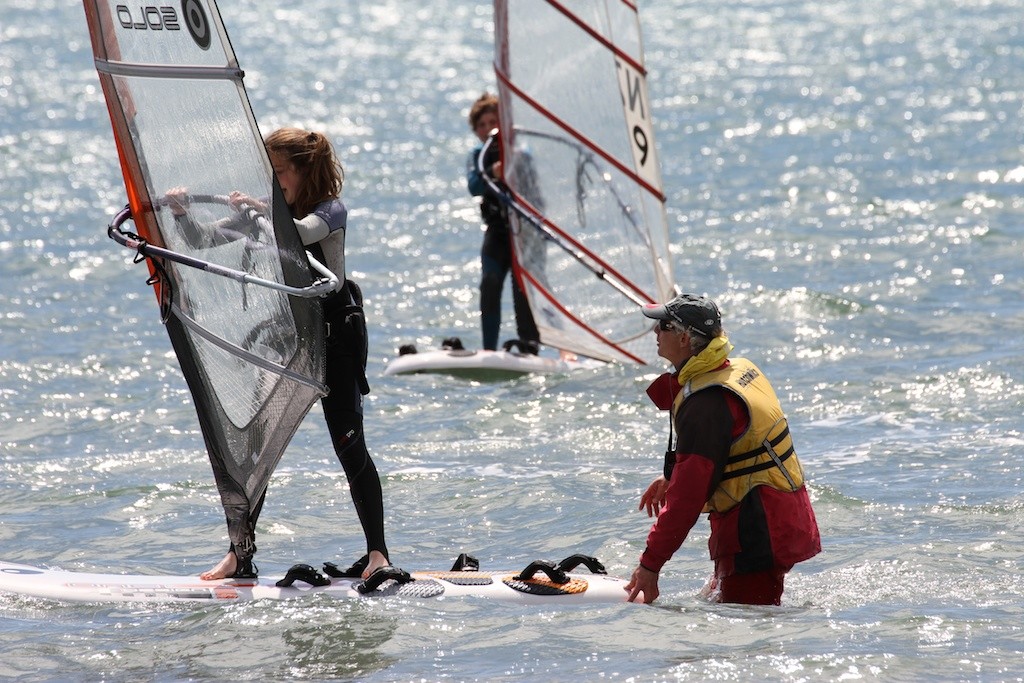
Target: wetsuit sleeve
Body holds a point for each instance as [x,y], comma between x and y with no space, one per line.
[706,423]
[312,229]
[474,179]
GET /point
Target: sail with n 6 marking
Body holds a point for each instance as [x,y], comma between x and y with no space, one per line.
[234,286]
[590,234]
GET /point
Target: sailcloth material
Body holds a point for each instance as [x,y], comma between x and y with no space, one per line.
[253,357]
[577,135]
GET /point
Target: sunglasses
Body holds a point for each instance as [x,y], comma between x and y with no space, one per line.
[668,326]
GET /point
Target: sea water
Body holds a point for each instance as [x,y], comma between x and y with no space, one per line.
[844,178]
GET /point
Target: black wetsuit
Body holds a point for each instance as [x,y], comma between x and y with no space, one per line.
[496,258]
[343,406]
[343,409]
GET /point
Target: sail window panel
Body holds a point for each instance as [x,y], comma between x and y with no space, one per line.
[614,20]
[240,387]
[259,332]
[562,68]
[193,138]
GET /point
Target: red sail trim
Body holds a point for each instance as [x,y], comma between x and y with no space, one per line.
[134,183]
[106,48]
[523,274]
[562,235]
[579,137]
[598,37]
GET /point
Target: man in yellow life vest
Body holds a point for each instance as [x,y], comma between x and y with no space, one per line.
[733,458]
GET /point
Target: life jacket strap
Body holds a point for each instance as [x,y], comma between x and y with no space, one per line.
[760,450]
[775,459]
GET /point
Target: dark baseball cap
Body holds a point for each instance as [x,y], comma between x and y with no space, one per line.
[689,310]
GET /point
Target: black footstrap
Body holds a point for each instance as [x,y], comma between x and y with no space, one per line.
[525,346]
[245,568]
[353,572]
[591,563]
[381,575]
[466,563]
[452,344]
[555,574]
[304,573]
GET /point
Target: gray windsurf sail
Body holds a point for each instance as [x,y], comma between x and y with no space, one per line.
[234,286]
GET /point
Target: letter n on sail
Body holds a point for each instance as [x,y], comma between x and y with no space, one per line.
[637,112]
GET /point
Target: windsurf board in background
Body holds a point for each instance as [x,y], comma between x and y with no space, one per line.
[483,365]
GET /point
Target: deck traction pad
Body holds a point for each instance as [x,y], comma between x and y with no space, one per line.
[463,578]
[545,587]
[421,588]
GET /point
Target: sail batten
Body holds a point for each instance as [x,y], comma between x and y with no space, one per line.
[168,70]
[590,232]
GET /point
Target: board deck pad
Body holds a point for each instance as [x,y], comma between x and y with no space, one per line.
[545,587]
[463,578]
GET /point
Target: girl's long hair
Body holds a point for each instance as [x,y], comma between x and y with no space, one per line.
[313,157]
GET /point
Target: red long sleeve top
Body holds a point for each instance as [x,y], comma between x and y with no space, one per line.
[701,455]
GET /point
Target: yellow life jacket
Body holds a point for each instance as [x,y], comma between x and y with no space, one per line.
[763,455]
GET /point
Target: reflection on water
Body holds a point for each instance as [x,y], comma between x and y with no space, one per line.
[845,180]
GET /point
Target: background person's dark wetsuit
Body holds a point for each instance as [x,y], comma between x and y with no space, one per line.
[496,258]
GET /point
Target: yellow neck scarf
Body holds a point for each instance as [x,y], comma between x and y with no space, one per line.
[713,355]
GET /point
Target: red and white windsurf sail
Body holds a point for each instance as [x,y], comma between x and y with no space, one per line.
[590,233]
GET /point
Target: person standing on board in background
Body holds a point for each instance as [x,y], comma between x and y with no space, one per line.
[733,458]
[496,252]
[311,178]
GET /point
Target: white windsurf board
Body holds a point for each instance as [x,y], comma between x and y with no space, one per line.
[482,365]
[73,586]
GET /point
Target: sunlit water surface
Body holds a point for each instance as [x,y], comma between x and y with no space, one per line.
[844,178]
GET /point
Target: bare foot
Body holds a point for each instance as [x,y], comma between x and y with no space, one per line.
[222,569]
[376,561]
